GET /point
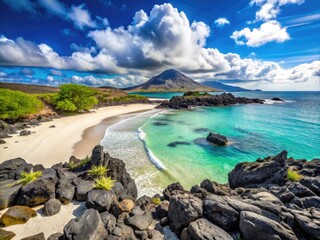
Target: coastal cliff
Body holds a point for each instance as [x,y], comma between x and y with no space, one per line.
[272,198]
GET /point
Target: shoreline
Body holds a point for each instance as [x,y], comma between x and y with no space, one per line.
[73,135]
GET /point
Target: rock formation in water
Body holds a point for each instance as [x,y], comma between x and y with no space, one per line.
[272,198]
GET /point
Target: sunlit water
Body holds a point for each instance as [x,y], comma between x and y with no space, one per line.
[253,131]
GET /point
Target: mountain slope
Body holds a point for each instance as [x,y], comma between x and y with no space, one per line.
[170,81]
[225,87]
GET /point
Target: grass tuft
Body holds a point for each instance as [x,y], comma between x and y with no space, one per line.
[98,171]
[155,200]
[293,176]
[84,161]
[26,178]
[104,183]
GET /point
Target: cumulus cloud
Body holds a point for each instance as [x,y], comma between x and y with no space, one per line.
[78,14]
[163,38]
[271,31]
[220,22]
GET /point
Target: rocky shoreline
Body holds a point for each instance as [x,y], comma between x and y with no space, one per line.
[261,201]
[224,99]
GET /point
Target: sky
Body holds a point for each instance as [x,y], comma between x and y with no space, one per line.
[271,45]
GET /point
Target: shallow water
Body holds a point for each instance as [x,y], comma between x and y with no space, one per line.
[253,131]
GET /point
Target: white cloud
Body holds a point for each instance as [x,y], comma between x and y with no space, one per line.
[220,22]
[81,16]
[271,31]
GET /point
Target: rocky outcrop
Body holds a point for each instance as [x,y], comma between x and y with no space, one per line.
[277,99]
[224,99]
[217,139]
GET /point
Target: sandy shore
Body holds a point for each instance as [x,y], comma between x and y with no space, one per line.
[74,135]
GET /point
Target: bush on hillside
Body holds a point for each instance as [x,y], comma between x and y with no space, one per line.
[16,104]
[74,98]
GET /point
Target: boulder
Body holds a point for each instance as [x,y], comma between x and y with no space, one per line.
[313,183]
[11,169]
[56,236]
[25,133]
[299,190]
[52,207]
[37,192]
[217,139]
[143,201]
[254,226]
[6,235]
[108,220]
[8,193]
[183,209]
[122,232]
[2,141]
[125,205]
[39,236]
[215,188]
[100,200]
[203,229]
[17,215]
[82,190]
[65,191]
[140,222]
[162,209]
[88,226]
[173,189]
[220,213]
[262,173]
[308,223]
[277,99]
[99,157]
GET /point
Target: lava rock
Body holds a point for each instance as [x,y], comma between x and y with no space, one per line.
[25,133]
[277,99]
[108,220]
[88,226]
[82,190]
[140,222]
[39,236]
[65,191]
[8,193]
[100,200]
[6,235]
[176,143]
[11,169]
[217,139]
[173,189]
[52,207]
[56,236]
[17,215]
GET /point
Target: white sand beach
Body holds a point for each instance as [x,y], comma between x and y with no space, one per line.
[50,145]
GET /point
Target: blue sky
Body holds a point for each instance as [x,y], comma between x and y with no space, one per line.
[266,44]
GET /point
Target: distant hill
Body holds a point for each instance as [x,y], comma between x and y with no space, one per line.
[171,81]
[225,87]
[29,88]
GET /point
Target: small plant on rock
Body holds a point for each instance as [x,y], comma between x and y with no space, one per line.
[26,178]
[98,171]
[104,183]
[156,200]
[293,176]
[84,161]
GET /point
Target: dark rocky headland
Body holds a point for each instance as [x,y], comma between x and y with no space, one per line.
[206,100]
[273,198]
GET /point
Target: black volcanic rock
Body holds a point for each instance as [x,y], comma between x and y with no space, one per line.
[277,99]
[224,99]
[217,139]
[171,80]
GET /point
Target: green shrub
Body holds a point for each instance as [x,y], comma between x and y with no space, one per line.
[84,161]
[98,171]
[195,94]
[74,98]
[155,200]
[103,183]
[293,176]
[16,104]
[26,178]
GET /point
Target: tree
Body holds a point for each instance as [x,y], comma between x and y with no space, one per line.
[75,97]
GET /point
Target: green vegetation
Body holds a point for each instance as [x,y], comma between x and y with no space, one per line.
[293,176]
[155,200]
[16,104]
[98,171]
[26,178]
[84,161]
[104,183]
[131,98]
[196,94]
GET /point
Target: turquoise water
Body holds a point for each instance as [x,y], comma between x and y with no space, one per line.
[163,95]
[253,131]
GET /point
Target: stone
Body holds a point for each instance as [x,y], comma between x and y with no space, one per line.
[125,205]
[8,193]
[172,189]
[2,141]
[82,190]
[254,226]
[270,171]
[38,167]
[56,236]
[162,209]
[309,225]
[100,200]
[140,222]
[214,187]
[11,169]
[122,232]
[136,211]
[217,139]
[277,99]
[25,133]
[299,190]
[6,235]
[220,213]
[39,236]
[143,201]
[266,197]
[313,183]
[183,209]
[88,226]
[98,157]
[108,220]
[203,229]
[65,191]
[17,215]
[52,207]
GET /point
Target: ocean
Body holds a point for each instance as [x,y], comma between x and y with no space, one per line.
[165,146]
